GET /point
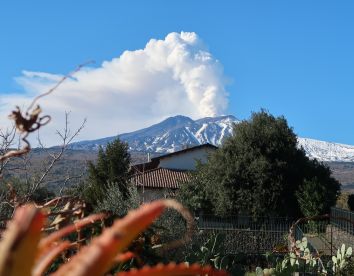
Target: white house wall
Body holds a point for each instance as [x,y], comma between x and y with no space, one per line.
[151,194]
[185,160]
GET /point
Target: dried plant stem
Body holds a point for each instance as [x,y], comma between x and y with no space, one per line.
[185,213]
[63,79]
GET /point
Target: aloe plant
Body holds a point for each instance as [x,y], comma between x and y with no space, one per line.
[24,251]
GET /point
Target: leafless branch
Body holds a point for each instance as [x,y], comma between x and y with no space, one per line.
[7,140]
[58,84]
[24,124]
[30,121]
[67,179]
[67,138]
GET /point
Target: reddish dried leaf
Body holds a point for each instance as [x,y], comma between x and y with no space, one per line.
[98,257]
[46,242]
[47,259]
[123,257]
[174,270]
[20,240]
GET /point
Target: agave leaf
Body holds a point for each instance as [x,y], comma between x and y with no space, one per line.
[334,260]
[349,252]
[20,240]
[123,257]
[47,259]
[47,242]
[98,257]
[173,270]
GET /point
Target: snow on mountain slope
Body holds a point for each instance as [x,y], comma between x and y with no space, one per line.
[326,151]
[177,132]
[170,135]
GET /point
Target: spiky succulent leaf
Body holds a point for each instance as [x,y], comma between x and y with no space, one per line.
[20,240]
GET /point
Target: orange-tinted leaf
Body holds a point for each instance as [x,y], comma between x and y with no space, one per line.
[98,257]
[123,257]
[20,240]
[173,270]
[47,259]
[46,242]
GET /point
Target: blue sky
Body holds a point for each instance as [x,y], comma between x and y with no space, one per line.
[294,58]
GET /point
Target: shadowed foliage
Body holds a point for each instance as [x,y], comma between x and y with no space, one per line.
[258,171]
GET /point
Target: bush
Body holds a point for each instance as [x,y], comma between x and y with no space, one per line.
[259,171]
[114,201]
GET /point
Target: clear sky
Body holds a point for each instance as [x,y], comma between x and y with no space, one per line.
[294,58]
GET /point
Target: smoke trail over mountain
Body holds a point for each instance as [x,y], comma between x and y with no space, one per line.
[176,75]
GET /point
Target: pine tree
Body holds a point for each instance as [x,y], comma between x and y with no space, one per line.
[111,168]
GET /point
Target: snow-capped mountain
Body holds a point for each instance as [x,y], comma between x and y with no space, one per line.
[326,151]
[177,132]
[171,135]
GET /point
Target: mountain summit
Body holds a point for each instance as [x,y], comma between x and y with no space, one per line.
[178,132]
[172,134]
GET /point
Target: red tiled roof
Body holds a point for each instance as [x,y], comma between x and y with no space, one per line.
[139,168]
[160,178]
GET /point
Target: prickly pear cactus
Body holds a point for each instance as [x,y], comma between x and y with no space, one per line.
[341,259]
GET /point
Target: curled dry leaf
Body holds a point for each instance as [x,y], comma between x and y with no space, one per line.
[25,124]
[30,121]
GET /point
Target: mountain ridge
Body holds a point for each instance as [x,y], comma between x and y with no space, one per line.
[175,133]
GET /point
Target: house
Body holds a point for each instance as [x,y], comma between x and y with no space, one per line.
[161,177]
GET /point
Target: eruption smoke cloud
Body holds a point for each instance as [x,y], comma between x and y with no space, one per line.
[176,75]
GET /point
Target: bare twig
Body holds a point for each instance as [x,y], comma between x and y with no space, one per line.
[67,179]
[26,123]
[30,120]
[66,139]
[58,84]
[7,139]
